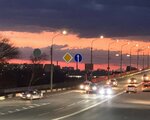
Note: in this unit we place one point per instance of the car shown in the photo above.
(105, 90)
(132, 81)
(131, 88)
(112, 82)
(31, 95)
(91, 88)
(84, 85)
(145, 77)
(146, 87)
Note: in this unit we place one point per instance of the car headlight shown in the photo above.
(81, 86)
(94, 88)
(87, 88)
(146, 78)
(102, 91)
(109, 91)
(114, 83)
(135, 81)
(28, 95)
(129, 81)
(20, 95)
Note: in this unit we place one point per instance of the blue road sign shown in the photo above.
(78, 57)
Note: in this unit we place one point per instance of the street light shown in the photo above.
(51, 56)
(131, 54)
(92, 48)
(108, 67)
(144, 55)
(121, 55)
(148, 57)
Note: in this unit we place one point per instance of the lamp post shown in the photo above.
(51, 57)
(148, 57)
(131, 54)
(92, 48)
(137, 60)
(121, 55)
(108, 67)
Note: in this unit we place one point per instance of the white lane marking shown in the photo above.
(17, 109)
(24, 108)
(2, 113)
(42, 114)
(87, 101)
(59, 109)
(81, 101)
(71, 104)
(85, 109)
(35, 104)
(31, 106)
(10, 111)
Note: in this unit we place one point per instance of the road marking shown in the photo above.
(71, 104)
(2, 113)
(31, 106)
(24, 108)
(17, 110)
(85, 109)
(59, 109)
(42, 114)
(10, 111)
(81, 101)
(35, 104)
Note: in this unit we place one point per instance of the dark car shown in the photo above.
(31, 95)
(91, 88)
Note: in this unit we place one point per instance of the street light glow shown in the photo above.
(101, 36)
(64, 32)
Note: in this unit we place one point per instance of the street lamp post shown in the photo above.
(92, 53)
(92, 48)
(121, 59)
(131, 54)
(108, 67)
(51, 58)
(148, 57)
(144, 57)
(137, 60)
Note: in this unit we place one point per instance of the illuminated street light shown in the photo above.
(101, 37)
(108, 67)
(121, 55)
(64, 32)
(131, 54)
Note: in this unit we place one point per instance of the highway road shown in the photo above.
(75, 105)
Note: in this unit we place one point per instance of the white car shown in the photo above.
(112, 82)
(85, 85)
(145, 77)
(132, 81)
(106, 90)
(131, 88)
(146, 87)
(31, 95)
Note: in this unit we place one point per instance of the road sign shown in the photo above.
(78, 57)
(67, 57)
(37, 52)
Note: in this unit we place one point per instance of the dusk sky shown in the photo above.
(31, 24)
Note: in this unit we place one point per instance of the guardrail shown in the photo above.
(117, 76)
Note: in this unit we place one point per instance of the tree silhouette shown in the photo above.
(7, 50)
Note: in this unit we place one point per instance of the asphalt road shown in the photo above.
(75, 105)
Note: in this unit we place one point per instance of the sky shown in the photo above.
(32, 24)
